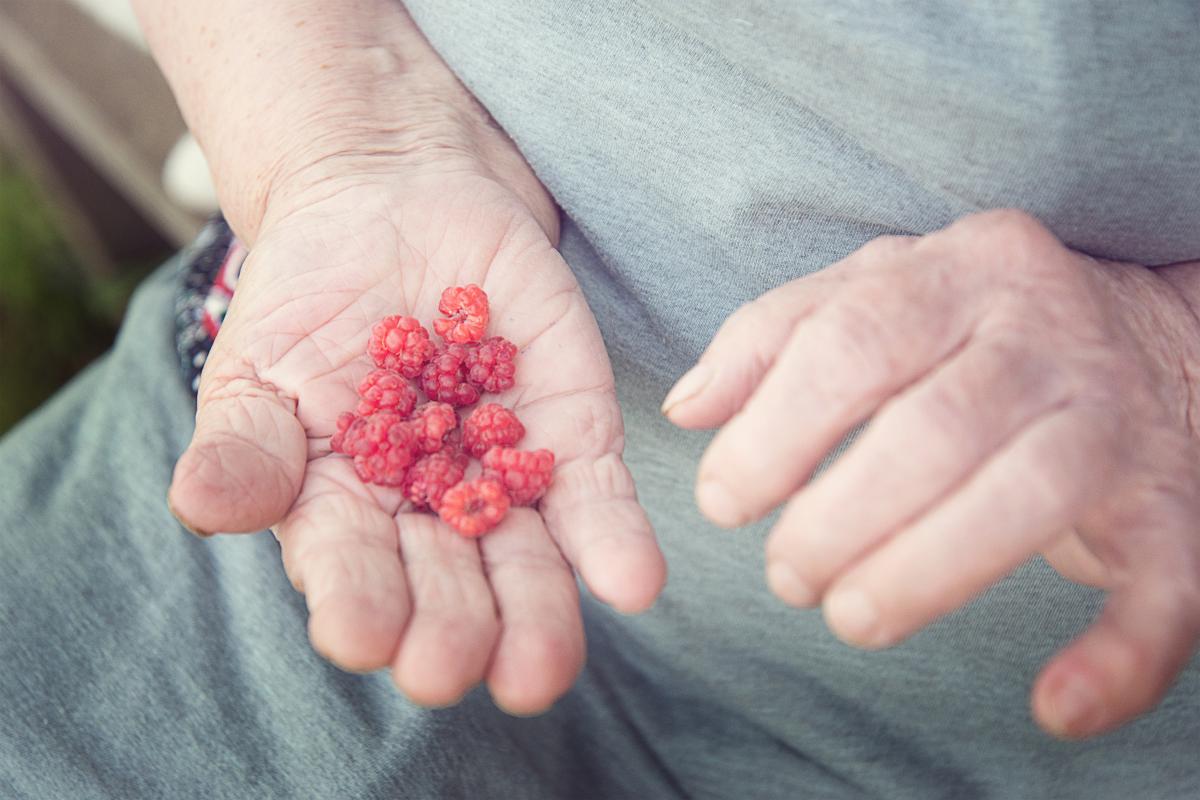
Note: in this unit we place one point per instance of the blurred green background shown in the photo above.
(55, 317)
(89, 132)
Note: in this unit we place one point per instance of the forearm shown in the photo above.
(276, 89)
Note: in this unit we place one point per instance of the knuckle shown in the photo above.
(804, 540)
(854, 333)
(737, 454)
(751, 322)
(586, 481)
(1130, 661)
(947, 409)
(328, 571)
(1048, 479)
(240, 384)
(337, 521)
(609, 477)
(519, 564)
(594, 427)
(884, 249)
(1012, 325)
(437, 585)
(789, 542)
(1057, 475)
(950, 402)
(1013, 242)
(1010, 225)
(224, 386)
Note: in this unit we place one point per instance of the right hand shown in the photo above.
(381, 234)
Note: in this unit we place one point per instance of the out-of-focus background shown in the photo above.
(98, 184)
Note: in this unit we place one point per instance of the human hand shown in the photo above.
(385, 234)
(1023, 398)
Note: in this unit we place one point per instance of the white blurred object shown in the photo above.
(117, 16)
(185, 173)
(186, 177)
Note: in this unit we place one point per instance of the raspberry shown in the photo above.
(402, 344)
(344, 421)
(429, 478)
(490, 364)
(383, 445)
(474, 507)
(488, 426)
(524, 473)
(434, 422)
(424, 450)
(453, 440)
(445, 378)
(385, 390)
(466, 310)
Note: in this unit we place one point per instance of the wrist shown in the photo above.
(285, 95)
(425, 136)
(1164, 316)
(1183, 283)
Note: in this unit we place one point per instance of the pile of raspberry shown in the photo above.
(425, 448)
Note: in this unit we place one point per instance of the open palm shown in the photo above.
(385, 586)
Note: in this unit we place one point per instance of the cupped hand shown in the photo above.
(1022, 398)
(387, 587)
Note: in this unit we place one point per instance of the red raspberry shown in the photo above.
(400, 343)
(383, 445)
(434, 422)
(524, 473)
(490, 365)
(385, 390)
(429, 478)
(466, 310)
(344, 421)
(453, 440)
(474, 507)
(445, 378)
(488, 426)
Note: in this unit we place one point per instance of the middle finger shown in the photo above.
(445, 648)
(918, 448)
(840, 365)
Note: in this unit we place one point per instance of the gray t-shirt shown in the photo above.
(706, 152)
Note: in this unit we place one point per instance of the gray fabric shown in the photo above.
(708, 151)
(705, 154)
(139, 661)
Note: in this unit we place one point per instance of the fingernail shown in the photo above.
(718, 504)
(853, 616)
(788, 586)
(180, 520)
(687, 387)
(1073, 707)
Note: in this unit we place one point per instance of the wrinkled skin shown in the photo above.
(387, 588)
(1023, 398)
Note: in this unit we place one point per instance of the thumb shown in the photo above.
(243, 468)
(1123, 664)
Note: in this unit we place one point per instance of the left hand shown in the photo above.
(1023, 398)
